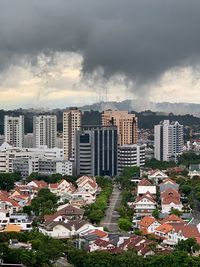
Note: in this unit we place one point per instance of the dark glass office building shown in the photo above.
(96, 151)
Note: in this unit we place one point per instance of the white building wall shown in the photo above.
(168, 140)
(45, 130)
(14, 130)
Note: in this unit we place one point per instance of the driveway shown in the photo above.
(112, 216)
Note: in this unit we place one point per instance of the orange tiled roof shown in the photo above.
(164, 228)
(99, 233)
(9, 200)
(147, 221)
(13, 228)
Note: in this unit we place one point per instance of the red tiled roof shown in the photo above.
(155, 171)
(172, 218)
(40, 184)
(89, 181)
(103, 243)
(170, 192)
(145, 196)
(132, 241)
(175, 169)
(53, 186)
(171, 199)
(144, 182)
(188, 231)
(168, 180)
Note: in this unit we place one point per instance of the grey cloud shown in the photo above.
(138, 38)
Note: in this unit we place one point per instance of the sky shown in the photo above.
(59, 53)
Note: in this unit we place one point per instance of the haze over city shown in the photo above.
(60, 53)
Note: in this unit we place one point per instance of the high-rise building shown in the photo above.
(127, 125)
(96, 151)
(14, 130)
(45, 130)
(130, 155)
(71, 123)
(168, 140)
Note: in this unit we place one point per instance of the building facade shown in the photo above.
(127, 125)
(42, 166)
(45, 130)
(168, 140)
(96, 151)
(28, 140)
(14, 130)
(71, 124)
(8, 154)
(130, 155)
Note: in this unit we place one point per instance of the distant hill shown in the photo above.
(141, 105)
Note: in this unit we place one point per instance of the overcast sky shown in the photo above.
(56, 53)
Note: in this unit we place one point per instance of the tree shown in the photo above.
(185, 189)
(190, 245)
(95, 212)
(44, 203)
(124, 224)
(156, 214)
(126, 175)
(176, 212)
(7, 181)
(161, 165)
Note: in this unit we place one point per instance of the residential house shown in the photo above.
(101, 244)
(65, 214)
(38, 184)
(168, 183)
(86, 184)
(194, 170)
(22, 220)
(86, 197)
(144, 205)
(139, 244)
(145, 186)
(174, 232)
(8, 204)
(61, 188)
(148, 224)
(170, 199)
(65, 230)
(157, 176)
(172, 218)
(163, 230)
(176, 170)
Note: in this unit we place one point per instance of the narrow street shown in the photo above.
(112, 216)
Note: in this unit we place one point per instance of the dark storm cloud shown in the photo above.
(141, 39)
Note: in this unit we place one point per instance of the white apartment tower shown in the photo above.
(45, 130)
(71, 124)
(168, 140)
(14, 130)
